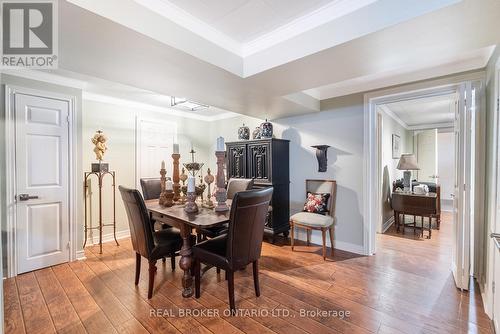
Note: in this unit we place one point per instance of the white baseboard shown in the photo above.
(108, 237)
(316, 239)
(80, 255)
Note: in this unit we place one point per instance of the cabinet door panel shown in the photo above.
(237, 164)
(259, 162)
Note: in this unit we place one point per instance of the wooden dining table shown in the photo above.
(186, 222)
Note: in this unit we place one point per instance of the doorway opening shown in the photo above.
(416, 133)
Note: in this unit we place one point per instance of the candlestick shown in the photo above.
(191, 188)
(163, 164)
(169, 196)
(220, 144)
(191, 206)
(221, 193)
(209, 179)
(175, 174)
(183, 177)
(163, 180)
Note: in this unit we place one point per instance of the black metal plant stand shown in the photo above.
(100, 176)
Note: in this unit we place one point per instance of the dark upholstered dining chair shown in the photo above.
(241, 245)
(151, 188)
(233, 186)
(146, 242)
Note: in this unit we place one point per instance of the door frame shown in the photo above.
(10, 177)
(371, 161)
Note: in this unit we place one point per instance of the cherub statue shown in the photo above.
(99, 140)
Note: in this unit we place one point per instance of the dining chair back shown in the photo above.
(151, 188)
(236, 185)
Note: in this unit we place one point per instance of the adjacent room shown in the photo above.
(250, 166)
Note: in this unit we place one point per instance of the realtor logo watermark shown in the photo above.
(29, 34)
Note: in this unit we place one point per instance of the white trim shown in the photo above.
(10, 177)
(371, 204)
(46, 77)
(392, 115)
(108, 237)
(431, 126)
(80, 255)
(149, 107)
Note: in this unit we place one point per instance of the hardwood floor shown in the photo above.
(406, 288)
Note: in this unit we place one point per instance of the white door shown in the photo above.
(462, 203)
(155, 144)
(495, 227)
(427, 158)
(42, 200)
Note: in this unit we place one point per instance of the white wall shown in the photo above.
(119, 125)
(389, 171)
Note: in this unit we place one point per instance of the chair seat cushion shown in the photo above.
(312, 219)
(212, 251)
(212, 232)
(167, 241)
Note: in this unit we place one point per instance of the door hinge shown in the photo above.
(68, 245)
(498, 104)
(493, 286)
(67, 119)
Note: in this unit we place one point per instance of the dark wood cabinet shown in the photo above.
(267, 162)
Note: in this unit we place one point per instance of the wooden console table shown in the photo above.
(415, 205)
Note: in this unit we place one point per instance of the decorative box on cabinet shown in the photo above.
(267, 162)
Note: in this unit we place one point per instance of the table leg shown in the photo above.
(395, 222)
(186, 261)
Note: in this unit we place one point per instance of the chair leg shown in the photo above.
(225, 275)
(218, 270)
(330, 232)
(172, 261)
(137, 267)
(230, 287)
(308, 232)
(323, 235)
(292, 228)
(197, 278)
(256, 277)
(152, 272)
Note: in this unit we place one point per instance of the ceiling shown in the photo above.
(270, 67)
(432, 111)
(246, 20)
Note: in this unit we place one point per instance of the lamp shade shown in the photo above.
(407, 162)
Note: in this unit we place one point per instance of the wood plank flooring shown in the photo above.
(406, 288)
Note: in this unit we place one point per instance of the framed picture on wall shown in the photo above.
(396, 146)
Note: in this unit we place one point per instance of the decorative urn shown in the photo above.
(256, 133)
(266, 129)
(244, 132)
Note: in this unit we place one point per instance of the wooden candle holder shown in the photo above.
(191, 206)
(175, 177)
(163, 180)
(221, 193)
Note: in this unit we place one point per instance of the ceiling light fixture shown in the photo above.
(186, 104)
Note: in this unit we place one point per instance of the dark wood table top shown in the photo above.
(202, 219)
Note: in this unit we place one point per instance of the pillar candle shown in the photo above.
(169, 185)
(191, 184)
(176, 148)
(220, 144)
(163, 164)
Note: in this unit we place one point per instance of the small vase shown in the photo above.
(266, 129)
(256, 133)
(244, 133)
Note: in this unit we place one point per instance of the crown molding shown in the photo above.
(314, 19)
(89, 96)
(392, 115)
